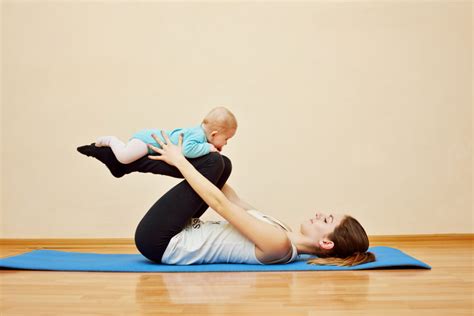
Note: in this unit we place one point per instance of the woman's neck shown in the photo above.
(303, 244)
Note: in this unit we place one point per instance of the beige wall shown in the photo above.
(357, 107)
(2, 225)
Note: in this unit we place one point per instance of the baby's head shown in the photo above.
(220, 125)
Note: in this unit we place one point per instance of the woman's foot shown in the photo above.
(104, 155)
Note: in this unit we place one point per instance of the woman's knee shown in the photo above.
(150, 245)
(221, 163)
(216, 163)
(214, 158)
(227, 166)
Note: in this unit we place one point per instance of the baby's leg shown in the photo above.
(104, 141)
(127, 153)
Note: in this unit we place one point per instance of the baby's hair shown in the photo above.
(220, 118)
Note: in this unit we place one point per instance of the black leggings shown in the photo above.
(171, 212)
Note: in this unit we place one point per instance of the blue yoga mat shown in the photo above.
(387, 258)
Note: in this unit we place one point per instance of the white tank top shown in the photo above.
(217, 242)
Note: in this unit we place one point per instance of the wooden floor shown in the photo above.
(447, 289)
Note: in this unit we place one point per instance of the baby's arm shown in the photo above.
(193, 148)
(196, 145)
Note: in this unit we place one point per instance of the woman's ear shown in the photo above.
(326, 244)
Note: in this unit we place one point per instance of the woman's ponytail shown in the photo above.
(353, 260)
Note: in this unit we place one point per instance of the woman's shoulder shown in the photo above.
(289, 254)
(270, 219)
(288, 251)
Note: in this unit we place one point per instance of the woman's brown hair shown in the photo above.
(350, 246)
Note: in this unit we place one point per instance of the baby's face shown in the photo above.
(219, 140)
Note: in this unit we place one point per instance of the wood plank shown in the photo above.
(447, 289)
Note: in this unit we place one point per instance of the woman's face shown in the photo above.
(320, 226)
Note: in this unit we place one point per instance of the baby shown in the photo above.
(211, 135)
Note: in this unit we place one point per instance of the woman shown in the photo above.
(172, 233)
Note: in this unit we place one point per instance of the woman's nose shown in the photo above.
(319, 215)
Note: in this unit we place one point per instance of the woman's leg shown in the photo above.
(220, 183)
(171, 212)
(143, 165)
(146, 165)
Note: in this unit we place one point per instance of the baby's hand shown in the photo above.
(213, 148)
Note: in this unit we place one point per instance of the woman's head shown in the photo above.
(337, 239)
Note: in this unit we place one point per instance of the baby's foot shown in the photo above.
(103, 141)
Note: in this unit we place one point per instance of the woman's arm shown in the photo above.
(234, 198)
(269, 239)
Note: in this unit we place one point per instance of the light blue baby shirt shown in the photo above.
(194, 141)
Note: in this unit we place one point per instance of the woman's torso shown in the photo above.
(219, 242)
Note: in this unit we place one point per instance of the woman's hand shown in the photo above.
(169, 152)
